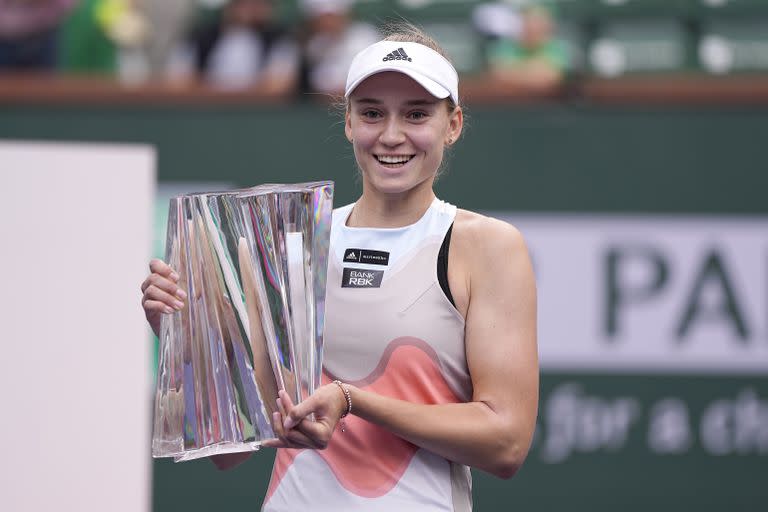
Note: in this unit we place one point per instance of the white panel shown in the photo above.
(75, 225)
(570, 256)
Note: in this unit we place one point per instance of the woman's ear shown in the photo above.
(348, 125)
(455, 125)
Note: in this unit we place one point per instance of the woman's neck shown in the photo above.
(376, 210)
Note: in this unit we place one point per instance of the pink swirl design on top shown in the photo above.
(368, 460)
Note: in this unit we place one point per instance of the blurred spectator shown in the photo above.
(523, 52)
(85, 45)
(169, 21)
(146, 33)
(243, 47)
(330, 40)
(29, 33)
(127, 27)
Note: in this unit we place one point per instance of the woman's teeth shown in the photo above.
(387, 159)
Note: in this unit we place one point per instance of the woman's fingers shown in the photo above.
(288, 439)
(164, 277)
(155, 293)
(316, 432)
(160, 267)
(286, 399)
(290, 435)
(298, 427)
(285, 404)
(165, 284)
(293, 414)
(281, 404)
(152, 306)
(273, 443)
(302, 440)
(277, 426)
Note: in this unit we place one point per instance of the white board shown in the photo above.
(75, 232)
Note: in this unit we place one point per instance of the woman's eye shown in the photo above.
(417, 115)
(371, 114)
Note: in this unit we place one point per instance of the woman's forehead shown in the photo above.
(391, 85)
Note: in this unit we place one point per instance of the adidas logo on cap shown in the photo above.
(398, 54)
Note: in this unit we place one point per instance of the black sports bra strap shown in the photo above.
(442, 265)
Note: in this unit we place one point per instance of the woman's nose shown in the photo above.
(393, 133)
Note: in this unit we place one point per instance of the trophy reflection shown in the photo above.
(253, 263)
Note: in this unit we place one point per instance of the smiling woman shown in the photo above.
(430, 363)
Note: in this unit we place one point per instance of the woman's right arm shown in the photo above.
(162, 295)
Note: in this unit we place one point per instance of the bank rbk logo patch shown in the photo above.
(367, 256)
(360, 278)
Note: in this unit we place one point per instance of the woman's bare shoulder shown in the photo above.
(482, 250)
(476, 231)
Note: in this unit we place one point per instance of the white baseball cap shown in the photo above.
(430, 69)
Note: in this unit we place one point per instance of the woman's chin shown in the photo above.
(390, 187)
(393, 180)
(395, 186)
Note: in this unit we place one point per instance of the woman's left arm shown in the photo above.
(493, 431)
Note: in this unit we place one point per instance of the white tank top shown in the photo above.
(389, 329)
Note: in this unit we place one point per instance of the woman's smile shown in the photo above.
(393, 162)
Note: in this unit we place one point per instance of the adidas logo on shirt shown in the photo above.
(367, 256)
(398, 54)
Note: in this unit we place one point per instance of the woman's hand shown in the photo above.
(161, 293)
(295, 429)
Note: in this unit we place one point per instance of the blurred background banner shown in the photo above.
(651, 294)
(625, 138)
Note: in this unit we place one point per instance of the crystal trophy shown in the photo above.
(253, 263)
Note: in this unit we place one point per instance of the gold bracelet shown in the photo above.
(347, 397)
